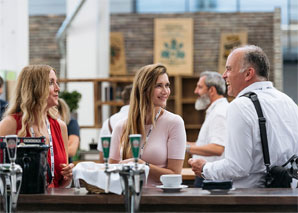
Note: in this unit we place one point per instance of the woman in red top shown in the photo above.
(31, 113)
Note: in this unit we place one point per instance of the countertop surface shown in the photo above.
(156, 200)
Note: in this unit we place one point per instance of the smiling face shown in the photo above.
(235, 79)
(53, 90)
(161, 91)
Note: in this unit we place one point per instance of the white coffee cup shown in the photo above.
(171, 180)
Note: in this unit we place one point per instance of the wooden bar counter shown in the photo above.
(155, 200)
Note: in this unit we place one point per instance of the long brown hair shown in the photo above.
(141, 103)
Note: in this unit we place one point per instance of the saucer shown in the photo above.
(171, 189)
(220, 191)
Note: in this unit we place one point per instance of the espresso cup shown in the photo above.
(171, 180)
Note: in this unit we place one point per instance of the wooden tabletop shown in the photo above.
(188, 174)
(153, 199)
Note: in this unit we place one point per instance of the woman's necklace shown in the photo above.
(149, 132)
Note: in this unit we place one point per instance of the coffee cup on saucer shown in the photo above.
(171, 180)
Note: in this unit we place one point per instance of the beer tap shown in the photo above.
(131, 176)
(105, 142)
(10, 176)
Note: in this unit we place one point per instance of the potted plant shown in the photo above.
(72, 99)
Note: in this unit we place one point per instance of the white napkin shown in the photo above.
(93, 174)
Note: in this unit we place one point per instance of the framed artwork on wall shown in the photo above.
(173, 44)
(228, 41)
(117, 54)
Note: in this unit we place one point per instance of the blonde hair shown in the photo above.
(141, 103)
(30, 97)
(63, 110)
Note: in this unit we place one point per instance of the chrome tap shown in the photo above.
(10, 176)
(105, 143)
(132, 176)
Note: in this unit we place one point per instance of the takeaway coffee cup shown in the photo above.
(171, 180)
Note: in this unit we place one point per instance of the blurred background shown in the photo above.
(74, 37)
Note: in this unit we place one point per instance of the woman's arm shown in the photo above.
(73, 129)
(113, 161)
(101, 160)
(73, 145)
(211, 149)
(115, 155)
(66, 169)
(174, 167)
(8, 126)
(63, 128)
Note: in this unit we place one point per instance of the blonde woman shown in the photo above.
(29, 115)
(163, 133)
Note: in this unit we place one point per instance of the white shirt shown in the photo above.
(244, 162)
(213, 129)
(114, 119)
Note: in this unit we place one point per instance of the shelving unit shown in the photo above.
(102, 96)
(181, 100)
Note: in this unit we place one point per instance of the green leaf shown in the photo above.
(71, 98)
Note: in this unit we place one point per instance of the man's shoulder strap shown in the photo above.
(262, 124)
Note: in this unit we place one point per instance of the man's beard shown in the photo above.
(202, 102)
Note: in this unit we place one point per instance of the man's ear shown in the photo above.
(212, 90)
(250, 73)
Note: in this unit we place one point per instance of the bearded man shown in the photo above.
(210, 144)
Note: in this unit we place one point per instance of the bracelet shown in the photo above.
(188, 148)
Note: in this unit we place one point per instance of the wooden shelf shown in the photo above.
(114, 84)
(188, 100)
(123, 79)
(111, 103)
(89, 127)
(193, 126)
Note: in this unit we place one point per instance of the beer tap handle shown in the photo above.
(135, 141)
(11, 145)
(105, 143)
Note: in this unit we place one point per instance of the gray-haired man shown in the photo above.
(210, 144)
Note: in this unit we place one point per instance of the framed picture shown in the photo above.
(228, 41)
(117, 54)
(173, 44)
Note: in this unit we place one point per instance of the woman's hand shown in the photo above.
(66, 171)
(131, 160)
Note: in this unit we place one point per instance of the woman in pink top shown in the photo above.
(163, 133)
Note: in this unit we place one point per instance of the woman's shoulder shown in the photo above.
(8, 125)
(120, 124)
(57, 123)
(16, 116)
(61, 123)
(169, 116)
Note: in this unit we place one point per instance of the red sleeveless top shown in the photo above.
(58, 146)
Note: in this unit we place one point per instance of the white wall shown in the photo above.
(88, 57)
(14, 32)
